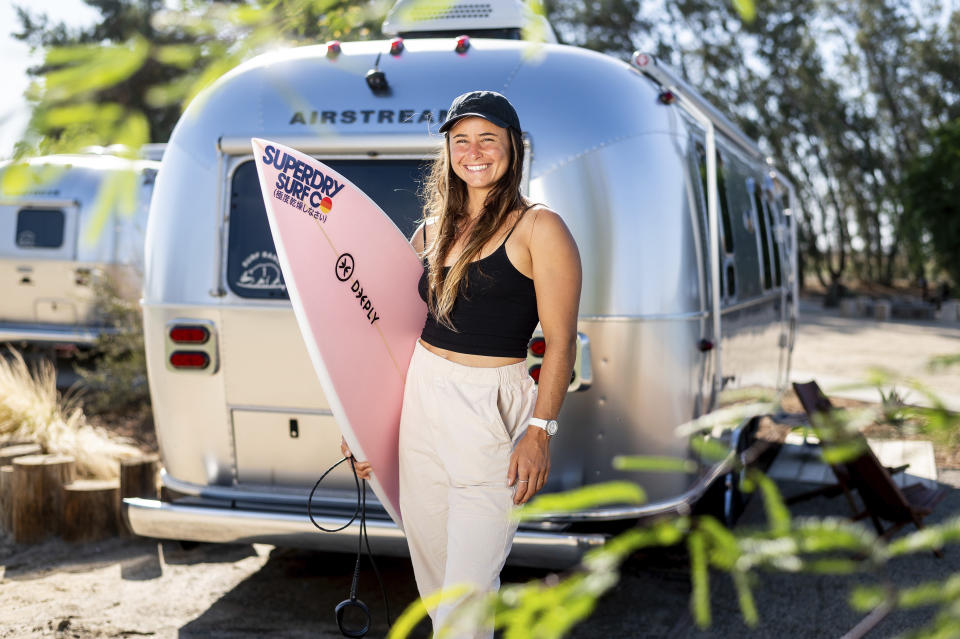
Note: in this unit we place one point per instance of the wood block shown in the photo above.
(38, 482)
(138, 478)
(6, 497)
(10, 452)
(90, 509)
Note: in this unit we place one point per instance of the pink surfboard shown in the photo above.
(352, 278)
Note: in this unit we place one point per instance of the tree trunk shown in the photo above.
(6, 495)
(11, 451)
(90, 509)
(37, 486)
(138, 478)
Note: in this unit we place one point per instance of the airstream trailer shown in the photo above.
(685, 232)
(60, 231)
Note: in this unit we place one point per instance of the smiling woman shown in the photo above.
(475, 429)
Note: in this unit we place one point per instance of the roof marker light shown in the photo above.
(396, 46)
(666, 97)
(333, 48)
(463, 43)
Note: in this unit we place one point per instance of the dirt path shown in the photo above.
(839, 350)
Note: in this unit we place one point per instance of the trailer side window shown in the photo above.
(253, 270)
(773, 211)
(761, 211)
(721, 195)
(40, 228)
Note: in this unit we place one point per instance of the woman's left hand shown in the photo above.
(529, 464)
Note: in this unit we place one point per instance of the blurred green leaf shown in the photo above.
(748, 607)
(20, 177)
(747, 9)
(182, 56)
(928, 539)
(942, 362)
(699, 579)
(417, 610)
(840, 453)
(778, 517)
(107, 66)
(723, 549)
(709, 450)
(661, 533)
(613, 492)
(834, 566)
(650, 463)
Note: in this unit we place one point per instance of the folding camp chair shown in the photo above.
(882, 498)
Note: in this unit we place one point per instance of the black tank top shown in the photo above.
(495, 315)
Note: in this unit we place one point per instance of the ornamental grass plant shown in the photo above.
(32, 409)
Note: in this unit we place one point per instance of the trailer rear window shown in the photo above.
(252, 267)
(40, 228)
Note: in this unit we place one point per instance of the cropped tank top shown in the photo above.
(495, 315)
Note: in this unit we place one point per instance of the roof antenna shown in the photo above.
(377, 79)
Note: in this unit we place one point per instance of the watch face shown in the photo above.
(552, 427)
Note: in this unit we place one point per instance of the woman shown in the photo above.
(494, 266)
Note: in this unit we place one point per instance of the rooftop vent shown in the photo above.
(442, 18)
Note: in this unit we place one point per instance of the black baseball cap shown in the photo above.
(489, 105)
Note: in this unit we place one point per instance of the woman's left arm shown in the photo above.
(557, 278)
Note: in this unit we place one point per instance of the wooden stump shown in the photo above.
(138, 478)
(38, 482)
(10, 452)
(6, 495)
(90, 509)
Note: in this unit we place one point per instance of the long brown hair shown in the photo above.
(446, 200)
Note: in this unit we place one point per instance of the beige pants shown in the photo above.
(457, 431)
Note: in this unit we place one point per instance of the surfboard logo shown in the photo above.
(345, 270)
(300, 185)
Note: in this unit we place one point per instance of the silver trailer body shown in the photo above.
(60, 235)
(246, 435)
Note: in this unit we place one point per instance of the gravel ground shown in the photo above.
(136, 587)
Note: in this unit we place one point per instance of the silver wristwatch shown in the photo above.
(549, 425)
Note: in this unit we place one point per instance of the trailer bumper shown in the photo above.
(188, 522)
(50, 333)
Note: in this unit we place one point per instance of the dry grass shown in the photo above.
(31, 409)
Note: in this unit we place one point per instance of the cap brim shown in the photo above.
(489, 118)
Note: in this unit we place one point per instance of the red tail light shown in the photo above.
(189, 335)
(538, 346)
(396, 46)
(189, 359)
(535, 373)
(463, 43)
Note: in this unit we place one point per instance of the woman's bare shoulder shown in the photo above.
(541, 223)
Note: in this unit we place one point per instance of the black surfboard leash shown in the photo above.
(353, 604)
